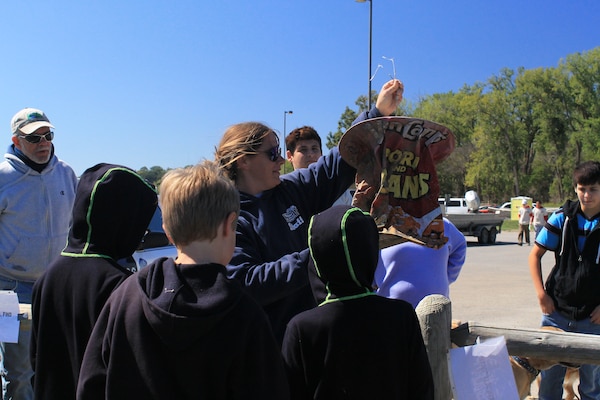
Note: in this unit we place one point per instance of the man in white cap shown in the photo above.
(37, 191)
(524, 221)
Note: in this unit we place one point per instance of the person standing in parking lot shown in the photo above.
(525, 217)
(539, 218)
(410, 271)
(569, 299)
(113, 206)
(37, 191)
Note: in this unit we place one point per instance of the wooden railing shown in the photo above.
(435, 317)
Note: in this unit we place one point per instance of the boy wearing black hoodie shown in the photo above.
(113, 207)
(356, 344)
(183, 330)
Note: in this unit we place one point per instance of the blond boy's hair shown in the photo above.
(195, 201)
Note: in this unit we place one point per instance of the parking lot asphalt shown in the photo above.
(494, 287)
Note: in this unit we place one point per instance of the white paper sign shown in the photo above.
(9, 316)
(482, 371)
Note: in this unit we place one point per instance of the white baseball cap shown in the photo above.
(28, 120)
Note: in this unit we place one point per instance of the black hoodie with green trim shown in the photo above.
(113, 207)
(182, 332)
(355, 344)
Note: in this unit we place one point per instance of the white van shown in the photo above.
(453, 205)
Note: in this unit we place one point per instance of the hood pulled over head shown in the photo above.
(112, 210)
(344, 246)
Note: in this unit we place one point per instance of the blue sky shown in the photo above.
(144, 83)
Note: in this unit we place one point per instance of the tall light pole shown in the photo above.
(370, 46)
(285, 113)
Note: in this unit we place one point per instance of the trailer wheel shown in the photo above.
(493, 234)
(484, 236)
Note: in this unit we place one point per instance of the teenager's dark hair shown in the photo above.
(587, 173)
(302, 133)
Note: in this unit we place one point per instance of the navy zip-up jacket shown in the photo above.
(271, 253)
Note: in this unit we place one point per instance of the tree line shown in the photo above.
(519, 133)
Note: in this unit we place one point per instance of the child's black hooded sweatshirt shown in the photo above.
(182, 332)
(355, 344)
(113, 207)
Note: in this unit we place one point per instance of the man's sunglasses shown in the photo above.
(273, 153)
(38, 138)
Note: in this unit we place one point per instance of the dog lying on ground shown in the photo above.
(526, 370)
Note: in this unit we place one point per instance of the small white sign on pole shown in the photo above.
(9, 316)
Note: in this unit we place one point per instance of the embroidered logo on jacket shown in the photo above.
(293, 218)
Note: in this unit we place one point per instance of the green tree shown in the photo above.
(583, 71)
(349, 115)
(520, 132)
(502, 137)
(547, 88)
(345, 122)
(152, 175)
(456, 111)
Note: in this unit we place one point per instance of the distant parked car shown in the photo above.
(504, 209)
(453, 205)
(505, 206)
(154, 244)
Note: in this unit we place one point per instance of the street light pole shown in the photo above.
(370, 46)
(285, 113)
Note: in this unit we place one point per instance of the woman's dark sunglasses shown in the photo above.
(38, 138)
(273, 153)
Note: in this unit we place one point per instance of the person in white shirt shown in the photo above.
(524, 221)
(539, 217)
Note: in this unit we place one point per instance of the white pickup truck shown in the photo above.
(463, 213)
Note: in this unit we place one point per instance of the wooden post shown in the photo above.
(435, 316)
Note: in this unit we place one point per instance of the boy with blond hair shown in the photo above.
(181, 329)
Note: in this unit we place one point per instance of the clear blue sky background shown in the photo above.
(145, 83)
